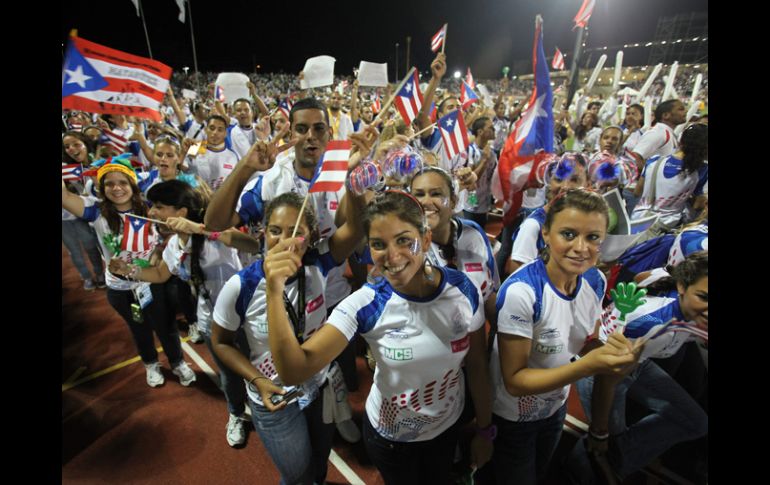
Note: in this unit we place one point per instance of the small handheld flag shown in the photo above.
(438, 39)
(332, 169)
(453, 133)
(136, 234)
(72, 171)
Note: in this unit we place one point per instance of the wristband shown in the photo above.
(490, 432)
(214, 235)
(597, 436)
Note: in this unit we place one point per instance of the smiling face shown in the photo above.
(694, 301)
(396, 248)
(574, 238)
(431, 190)
(76, 149)
(118, 190)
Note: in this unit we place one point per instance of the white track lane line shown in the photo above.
(344, 469)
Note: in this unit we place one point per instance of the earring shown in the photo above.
(428, 268)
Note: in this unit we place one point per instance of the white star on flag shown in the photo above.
(77, 76)
(449, 123)
(408, 88)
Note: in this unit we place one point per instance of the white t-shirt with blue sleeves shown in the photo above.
(687, 242)
(528, 237)
(213, 166)
(243, 301)
(529, 306)
(419, 345)
(473, 256)
(652, 319)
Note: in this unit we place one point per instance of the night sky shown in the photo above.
(235, 35)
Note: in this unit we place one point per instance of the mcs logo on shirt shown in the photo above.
(397, 354)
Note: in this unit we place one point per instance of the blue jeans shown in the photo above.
(675, 417)
(523, 450)
(233, 385)
(297, 441)
(76, 233)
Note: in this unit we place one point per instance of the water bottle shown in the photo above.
(367, 175)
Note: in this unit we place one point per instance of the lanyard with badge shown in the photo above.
(297, 316)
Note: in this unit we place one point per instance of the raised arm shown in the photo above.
(71, 202)
(180, 116)
(221, 213)
(295, 363)
(263, 111)
(354, 114)
(438, 69)
(138, 135)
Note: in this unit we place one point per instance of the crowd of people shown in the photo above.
(465, 332)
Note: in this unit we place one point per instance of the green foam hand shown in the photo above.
(627, 298)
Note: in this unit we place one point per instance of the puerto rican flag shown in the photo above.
(454, 133)
(558, 60)
(531, 138)
(332, 169)
(72, 171)
(469, 79)
(409, 98)
(99, 79)
(467, 96)
(116, 140)
(376, 104)
(285, 107)
(136, 234)
(581, 19)
(219, 94)
(438, 40)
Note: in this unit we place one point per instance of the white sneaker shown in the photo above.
(349, 431)
(236, 431)
(194, 334)
(154, 375)
(185, 374)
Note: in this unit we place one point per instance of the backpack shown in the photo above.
(651, 254)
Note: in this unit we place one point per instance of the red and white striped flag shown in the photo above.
(376, 104)
(558, 60)
(332, 168)
(408, 99)
(453, 133)
(99, 79)
(438, 40)
(136, 234)
(469, 79)
(73, 171)
(285, 107)
(117, 141)
(581, 19)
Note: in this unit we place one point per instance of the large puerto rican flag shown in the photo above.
(99, 79)
(332, 168)
(409, 98)
(532, 135)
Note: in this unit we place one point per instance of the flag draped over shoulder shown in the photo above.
(99, 79)
(531, 137)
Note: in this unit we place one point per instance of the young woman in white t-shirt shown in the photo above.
(421, 322)
(549, 312)
(143, 306)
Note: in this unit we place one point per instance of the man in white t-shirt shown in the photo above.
(660, 139)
